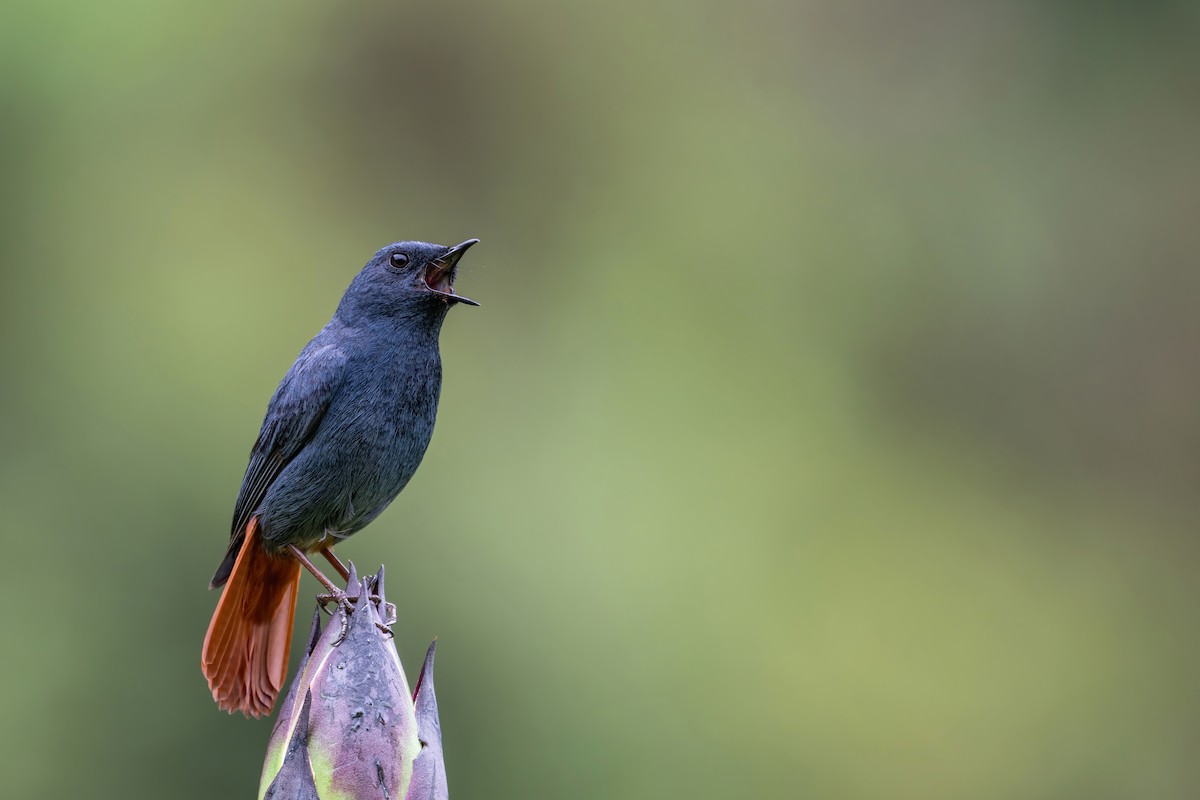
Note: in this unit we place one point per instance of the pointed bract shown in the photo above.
(377, 587)
(294, 780)
(321, 644)
(281, 734)
(429, 768)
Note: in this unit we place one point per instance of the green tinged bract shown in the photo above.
(349, 728)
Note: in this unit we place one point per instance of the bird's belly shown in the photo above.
(342, 480)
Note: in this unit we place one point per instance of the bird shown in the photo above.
(343, 434)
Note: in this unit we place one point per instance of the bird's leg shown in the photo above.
(299, 555)
(338, 596)
(335, 595)
(327, 551)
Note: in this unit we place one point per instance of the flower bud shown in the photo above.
(348, 728)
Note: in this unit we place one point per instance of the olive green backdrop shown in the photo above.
(830, 428)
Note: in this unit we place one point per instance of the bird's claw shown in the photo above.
(386, 625)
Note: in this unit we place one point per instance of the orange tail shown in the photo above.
(246, 649)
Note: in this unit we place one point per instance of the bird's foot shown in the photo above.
(386, 625)
(345, 607)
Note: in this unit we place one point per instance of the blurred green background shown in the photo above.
(830, 428)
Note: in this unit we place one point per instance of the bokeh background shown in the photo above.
(829, 428)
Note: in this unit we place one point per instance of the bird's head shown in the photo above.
(410, 279)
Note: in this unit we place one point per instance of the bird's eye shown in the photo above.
(399, 259)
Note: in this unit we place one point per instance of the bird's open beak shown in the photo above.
(439, 275)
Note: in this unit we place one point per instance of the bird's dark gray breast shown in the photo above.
(368, 445)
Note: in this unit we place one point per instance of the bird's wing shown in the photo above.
(293, 415)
